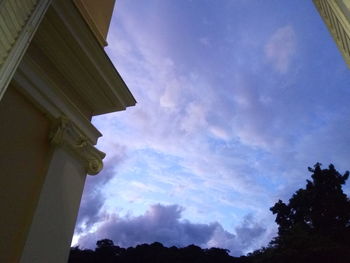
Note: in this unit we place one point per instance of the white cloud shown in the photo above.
(281, 47)
(220, 132)
(194, 118)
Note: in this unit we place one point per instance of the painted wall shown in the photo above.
(56, 214)
(24, 154)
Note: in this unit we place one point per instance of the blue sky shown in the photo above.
(236, 98)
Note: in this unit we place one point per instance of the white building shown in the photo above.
(54, 77)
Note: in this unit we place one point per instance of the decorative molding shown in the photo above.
(19, 21)
(67, 135)
(36, 85)
(73, 48)
(338, 25)
(90, 21)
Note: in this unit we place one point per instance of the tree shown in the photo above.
(316, 220)
(107, 252)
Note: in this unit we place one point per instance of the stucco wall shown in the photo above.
(54, 219)
(24, 153)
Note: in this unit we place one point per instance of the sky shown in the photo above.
(235, 99)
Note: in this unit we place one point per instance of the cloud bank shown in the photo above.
(225, 125)
(164, 223)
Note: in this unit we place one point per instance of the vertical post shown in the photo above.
(53, 223)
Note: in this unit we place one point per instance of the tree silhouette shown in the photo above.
(107, 252)
(316, 221)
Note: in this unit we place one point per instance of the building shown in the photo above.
(54, 77)
(336, 15)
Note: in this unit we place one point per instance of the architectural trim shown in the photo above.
(78, 56)
(90, 21)
(63, 114)
(19, 21)
(337, 24)
(67, 135)
(38, 87)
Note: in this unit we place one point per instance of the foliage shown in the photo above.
(315, 224)
(107, 252)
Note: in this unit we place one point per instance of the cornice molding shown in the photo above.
(66, 40)
(42, 91)
(90, 21)
(70, 129)
(66, 134)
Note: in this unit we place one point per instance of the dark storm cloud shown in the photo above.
(248, 233)
(163, 224)
(93, 198)
(160, 223)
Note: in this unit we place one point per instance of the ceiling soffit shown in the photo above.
(65, 39)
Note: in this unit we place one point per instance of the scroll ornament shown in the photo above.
(67, 135)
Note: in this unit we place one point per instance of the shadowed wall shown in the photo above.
(24, 152)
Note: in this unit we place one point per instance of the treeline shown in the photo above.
(107, 252)
(314, 226)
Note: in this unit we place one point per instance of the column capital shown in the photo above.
(64, 133)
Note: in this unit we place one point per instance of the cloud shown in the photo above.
(164, 224)
(93, 198)
(217, 131)
(280, 48)
(249, 231)
(178, 116)
(220, 132)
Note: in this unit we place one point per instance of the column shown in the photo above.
(53, 223)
